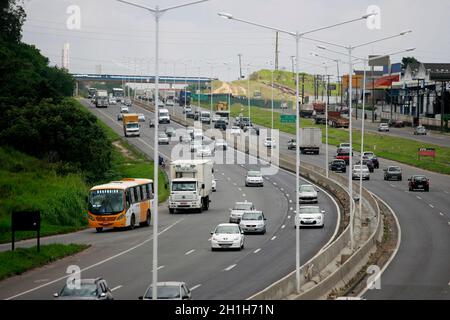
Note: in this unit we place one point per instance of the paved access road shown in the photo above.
(124, 258)
(421, 269)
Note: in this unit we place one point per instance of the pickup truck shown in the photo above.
(343, 155)
(335, 120)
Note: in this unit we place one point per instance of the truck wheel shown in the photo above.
(206, 203)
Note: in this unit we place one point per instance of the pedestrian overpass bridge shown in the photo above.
(139, 79)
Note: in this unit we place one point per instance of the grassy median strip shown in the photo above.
(393, 148)
(24, 259)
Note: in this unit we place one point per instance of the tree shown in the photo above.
(12, 18)
(407, 61)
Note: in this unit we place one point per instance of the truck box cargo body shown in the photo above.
(131, 127)
(310, 140)
(190, 184)
(184, 98)
(101, 99)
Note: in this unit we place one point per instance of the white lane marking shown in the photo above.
(290, 201)
(289, 217)
(449, 223)
(283, 226)
(281, 189)
(244, 195)
(159, 268)
(223, 173)
(441, 213)
(228, 178)
(274, 183)
(96, 264)
(419, 198)
(196, 287)
(230, 267)
(239, 189)
(292, 209)
(431, 205)
(41, 280)
(447, 192)
(257, 250)
(234, 183)
(189, 252)
(273, 238)
(287, 195)
(392, 185)
(118, 287)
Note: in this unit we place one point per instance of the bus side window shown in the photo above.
(137, 191)
(150, 188)
(128, 198)
(132, 194)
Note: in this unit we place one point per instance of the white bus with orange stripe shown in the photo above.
(121, 204)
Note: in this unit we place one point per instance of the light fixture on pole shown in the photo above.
(297, 35)
(157, 13)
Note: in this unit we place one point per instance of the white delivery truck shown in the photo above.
(190, 184)
(310, 140)
(101, 99)
(164, 116)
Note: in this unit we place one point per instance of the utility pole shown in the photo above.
(303, 89)
(293, 69)
(240, 66)
(373, 94)
(444, 85)
(276, 51)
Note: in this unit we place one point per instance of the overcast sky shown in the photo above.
(121, 38)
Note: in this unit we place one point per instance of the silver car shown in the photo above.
(168, 291)
(310, 216)
(253, 222)
(163, 138)
(254, 178)
(359, 170)
(238, 210)
(307, 194)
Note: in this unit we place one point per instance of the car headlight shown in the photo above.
(91, 217)
(236, 238)
(120, 217)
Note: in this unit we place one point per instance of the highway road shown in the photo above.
(421, 268)
(124, 258)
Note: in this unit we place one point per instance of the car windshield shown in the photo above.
(184, 186)
(163, 114)
(343, 154)
(420, 178)
(164, 292)
(345, 145)
(254, 216)
(358, 168)
(84, 290)
(307, 189)
(243, 206)
(227, 230)
(339, 162)
(170, 129)
(132, 126)
(105, 202)
(254, 174)
(369, 154)
(220, 141)
(394, 169)
(235, 128)
(309, 210)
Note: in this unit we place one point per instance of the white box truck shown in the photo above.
(101, 99)
(190, 184)
(310, 140)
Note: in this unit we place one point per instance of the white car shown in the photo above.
(253, 222)
(310, 216)
(187, 109)
(112, 101)
(221, 144)
(216, 117)
(214, 185)
(270, 143)
(195, 146)
(359, 170)
(204, 151)
(160, 104)
(124, 109)
(307, 194)
(170, 103)
(383, 127)
(141, 117)
(235, 130)
(254, 178)
(227, 236)
(197, 134)
(239, 209)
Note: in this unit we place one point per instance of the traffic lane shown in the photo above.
(408, 133)
(277, 257)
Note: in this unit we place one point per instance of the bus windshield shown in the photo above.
(105, 202)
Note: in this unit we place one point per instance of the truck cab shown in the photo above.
(164, 116)
(190, 185)
(205, 117)
(131, 127)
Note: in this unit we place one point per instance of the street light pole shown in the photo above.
(157, 13)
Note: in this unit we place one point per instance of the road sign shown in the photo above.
(427, 152)
(288, 118)
(25, 221)
(332, 87)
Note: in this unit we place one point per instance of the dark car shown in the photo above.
(168, 291)
(245, 122)
(251, 131)
(196, 115)
(369, 163)
(220, 124)
(151, 124)
(292, 144)
(88, 289)
(419, 183)
(393, 172)
(190, 114)
(338, 166)
(370, 155)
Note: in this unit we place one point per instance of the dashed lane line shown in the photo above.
(196, 287)
(116, 288)
(230, 267)
(189, 252)
(257, 250)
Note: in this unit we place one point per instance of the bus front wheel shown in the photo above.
(99, 229)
